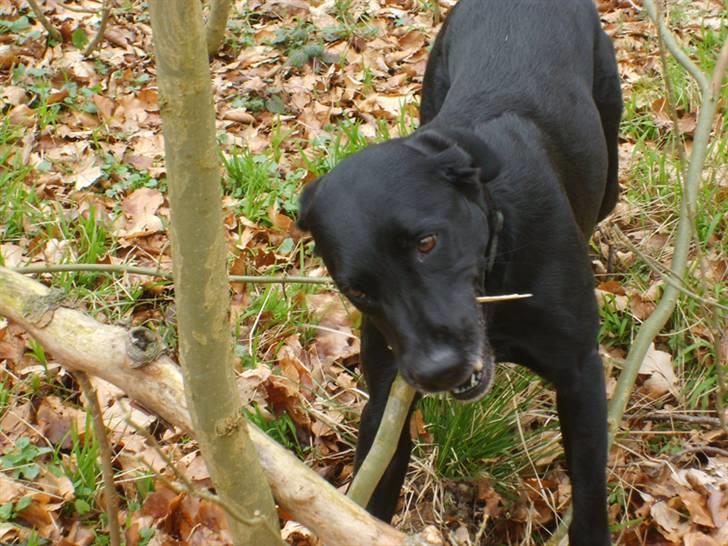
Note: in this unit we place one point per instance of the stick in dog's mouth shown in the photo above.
(504, 297)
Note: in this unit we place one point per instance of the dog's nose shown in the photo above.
(439, 369)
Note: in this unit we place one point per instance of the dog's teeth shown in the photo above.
(478, 365)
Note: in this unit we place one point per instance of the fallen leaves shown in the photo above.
(661, 379)
(140, 211)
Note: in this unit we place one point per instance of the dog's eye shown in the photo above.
(355, 294)
(426, 244)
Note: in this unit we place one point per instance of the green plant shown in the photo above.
(20, 461)
(488, 437)
(255, 180)
(83, 469)
(282, 428)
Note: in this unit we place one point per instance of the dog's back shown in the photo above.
(548, 61)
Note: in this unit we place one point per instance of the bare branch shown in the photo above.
(675, 48)
(105, 12)
(43, 20)
(215, 26)
(385, 442)
(124, 268)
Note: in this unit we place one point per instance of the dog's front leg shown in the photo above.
(379, 371)
(582, 406)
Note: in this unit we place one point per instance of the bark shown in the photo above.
(80, 343)
(200, 270)
(216, 22)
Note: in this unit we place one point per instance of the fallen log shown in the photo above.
(112, 353)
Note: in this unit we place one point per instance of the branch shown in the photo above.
(654, 323)
(385, 442)
(199, 250)
(38, 12)
(675, 48)
(105, 12)
(216, 22)
(80, 343)
(107, 471)
(124, 268)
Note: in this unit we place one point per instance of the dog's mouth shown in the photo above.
(479, 382)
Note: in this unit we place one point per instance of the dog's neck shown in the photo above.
(486, 162)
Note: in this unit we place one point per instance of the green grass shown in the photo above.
(485, 439)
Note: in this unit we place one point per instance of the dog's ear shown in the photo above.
(305, 204)
(459, 154)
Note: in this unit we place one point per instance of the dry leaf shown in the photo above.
(657, 365)
(669, 521)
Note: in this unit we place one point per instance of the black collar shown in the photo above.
(495, 226)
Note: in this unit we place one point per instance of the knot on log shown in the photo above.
(227, 426)
(143, 346)
(40, 309)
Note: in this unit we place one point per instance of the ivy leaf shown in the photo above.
(79, 38)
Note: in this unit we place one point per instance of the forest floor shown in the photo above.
(298, 86)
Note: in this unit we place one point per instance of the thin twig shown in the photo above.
(503, 297)
(710, 92)
(678, 142)
(666, 275)
(705, 450)
(123, 268)
(654, 323)
(107, 470)
(38, 12)
(695, 419)
(675, 48)
(105, 12)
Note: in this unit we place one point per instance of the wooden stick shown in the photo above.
(385, 442)
(503, 297)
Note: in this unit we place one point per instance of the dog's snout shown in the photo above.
(439, 369)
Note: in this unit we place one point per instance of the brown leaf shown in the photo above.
(284, 395)
(698, 539)
(55, 421)
(21, 115)
(160, 503)
(140, 209)
(658, 366)
(239, 115)
(696, 505)
(669, 521)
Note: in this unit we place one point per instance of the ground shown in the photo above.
(298, 86)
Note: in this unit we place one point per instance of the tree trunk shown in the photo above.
(200, 269)
(82, 344)
(216, 22)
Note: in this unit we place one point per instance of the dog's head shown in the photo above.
(403, 228)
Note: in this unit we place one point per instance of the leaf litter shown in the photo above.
(89, 131)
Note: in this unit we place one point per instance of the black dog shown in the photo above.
(497, 192)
